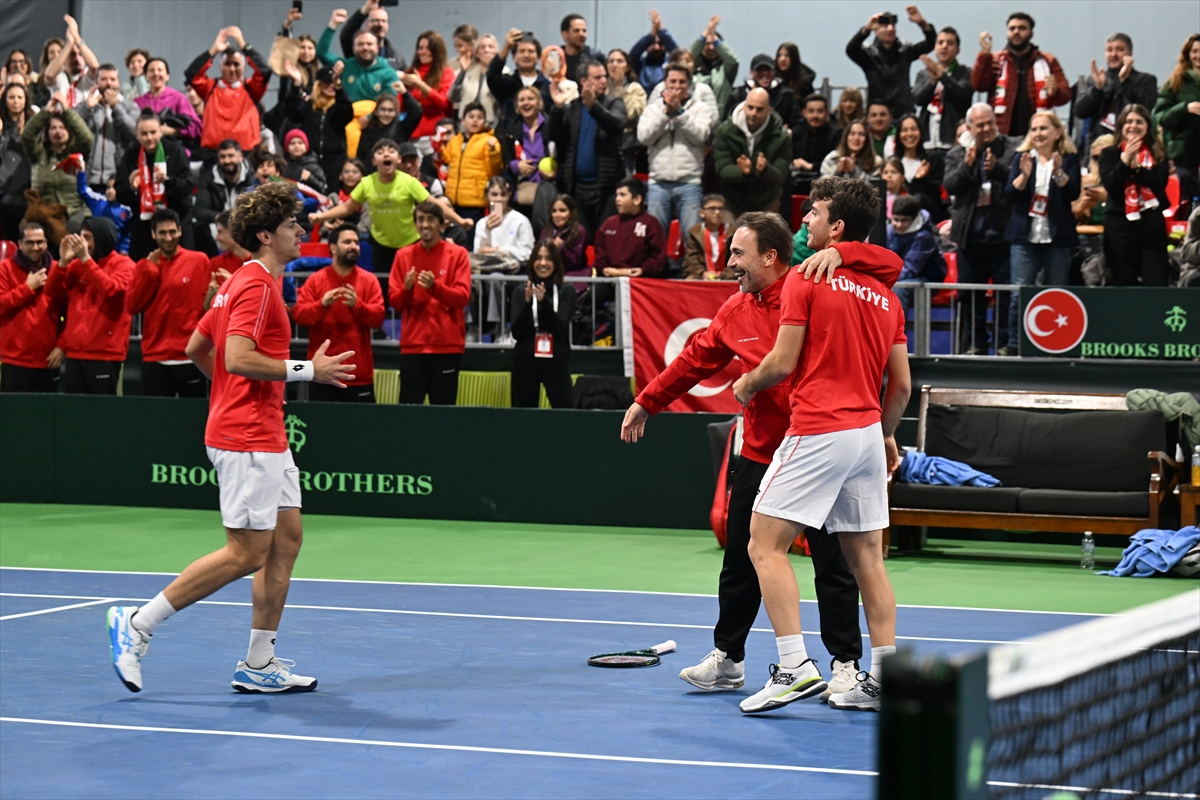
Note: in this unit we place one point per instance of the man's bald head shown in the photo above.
(757, 108)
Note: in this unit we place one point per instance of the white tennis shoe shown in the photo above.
(127, 645)
(275, 677)
(863, 697)
(716, 671)
(843, 679)
(786, 686)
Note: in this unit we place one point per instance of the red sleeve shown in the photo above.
(143, 287)
(397, 295)
(983, 76)
(901, 336)
(795, 304)
(369, 311)
(704, 356)
(56, 283)
(204, 326)
(309, 310)
(249, 311)
(256, 85)
(870, 259)
(14, 294)
(456, 291)
(1063, 92)
(438, 98)
(202, 83)
(114, 281)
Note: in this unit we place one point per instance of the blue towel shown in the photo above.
(920, 468)
(1152, 551)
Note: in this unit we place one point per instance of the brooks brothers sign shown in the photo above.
(1111, 322)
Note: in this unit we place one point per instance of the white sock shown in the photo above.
(791, 650)
(262, 648)
(151, 615)
(877, 654)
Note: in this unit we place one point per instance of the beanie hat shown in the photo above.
(296, 133)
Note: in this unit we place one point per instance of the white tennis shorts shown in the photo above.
(834, 479)
(255, 487)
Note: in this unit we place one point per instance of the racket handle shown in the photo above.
(666, 647)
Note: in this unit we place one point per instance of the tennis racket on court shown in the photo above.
(633, 658)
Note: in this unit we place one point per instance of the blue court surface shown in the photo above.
(425, 690)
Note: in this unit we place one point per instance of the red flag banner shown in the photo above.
(663, 316)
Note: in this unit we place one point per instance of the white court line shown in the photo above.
(463, 615)
(549, 589)
(1088, 789)
(96, 602)
(451, 747)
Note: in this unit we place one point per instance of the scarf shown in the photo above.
(936, 105)
(712, 261)
(1139, 198)
(151, 189)
(1006, 84)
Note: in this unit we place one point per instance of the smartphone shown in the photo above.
(298, 5)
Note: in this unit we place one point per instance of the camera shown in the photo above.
(888, 19)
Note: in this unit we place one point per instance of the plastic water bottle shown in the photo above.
(1087, 553)
(1196, 466)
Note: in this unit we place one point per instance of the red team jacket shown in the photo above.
(170, 296)
(345, 328)
(28, 319)
(97, 323)
(432, 321)
(745, 327)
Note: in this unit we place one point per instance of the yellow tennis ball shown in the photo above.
(548, 166)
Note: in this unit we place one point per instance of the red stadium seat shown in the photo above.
(7, 249)
(946, 296)
(314, 250)
(797, 215)
(644, 177)
(591, 255)
(674, 241)
(316, 233)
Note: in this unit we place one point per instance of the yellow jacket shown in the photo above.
(471, 163)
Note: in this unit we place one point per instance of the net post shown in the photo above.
(933, 727)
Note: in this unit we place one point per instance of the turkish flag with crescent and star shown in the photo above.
(664, 316)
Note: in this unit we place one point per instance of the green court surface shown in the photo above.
(951, 573)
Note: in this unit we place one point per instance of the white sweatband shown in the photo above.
(299, 370)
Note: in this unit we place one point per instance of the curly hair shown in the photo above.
(852, 201)
(264, 208)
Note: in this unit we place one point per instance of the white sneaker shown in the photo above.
(864, 696)
(844, 678)
(128, 646)
(786, 686)
(716, 671)
(276, 676)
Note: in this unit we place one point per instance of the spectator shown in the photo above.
(391, 195)
(366, 74)
(894, 183)
(219, 186)
(922, 170)
(15, 175)
(588, 131)
(800, 249)
(911, 237)
(53, 134)
(975, 173)
(430, 81)
(574, 35)
(93, 278)
(752, 152)
(136, 61)
(180, 120)
(631, 243)
(623, 84)
(230, 260)
(351, 175)
(104, 204)
(503, 232)
(51, 49)
(111, 119)
(676, 128)
(795, 74)
(307, 65)
(29, 316)
(72, 72)
(1106, 93)
(706, 254)
(230, 102)
(762, 76)
(569, 237)
(943, 92)
(473, 158)
(816, 137)
(1043, 182)
(850, 107)
(386, 122)
(323, 117)
(371, 17)
(524, 144)
(886, 61)
(526, 50)
(541, 325)
(471, 86)
(168, 290)
(18, 63)
(1135, 169)
(465, 38)
(879, 123)
(1178, 112)
(716, 63)
(154, 174)
(854, 156)
(647, 60)
(302, 166)
(430, 285)
(342, 304)
(1088, 208)
(1021, 79)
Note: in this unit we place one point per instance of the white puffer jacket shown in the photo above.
(676, 143)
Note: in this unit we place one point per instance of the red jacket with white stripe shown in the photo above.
(346, 328)
(29, 319)
(432, 320)
(97, 323)
(746, 326)
(170, 297)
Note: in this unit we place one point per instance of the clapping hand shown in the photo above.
(745, 164)
(410, 280)
(655, 22)
(936, 70)
(1051, 85)
(1026, 165)
(922, 170)
(1126, 67)
(426, 279)
(539, 292)
(1098, 76)
(761, 163)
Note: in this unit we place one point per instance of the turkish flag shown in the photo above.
(664, 316)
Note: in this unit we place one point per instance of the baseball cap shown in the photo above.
(761, 61)
(325, 75)
(408, 149)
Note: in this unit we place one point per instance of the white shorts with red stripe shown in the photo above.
(837, 479)
(255, 487)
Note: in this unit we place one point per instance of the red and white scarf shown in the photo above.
(151, 188)
(1006, 84)
(1139, 198)
(712, 261)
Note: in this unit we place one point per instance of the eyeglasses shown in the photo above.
(714, 208)
(12, 61)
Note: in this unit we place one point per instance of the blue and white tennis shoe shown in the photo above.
(275, 677)
(128, 646)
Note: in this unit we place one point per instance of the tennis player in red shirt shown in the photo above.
(835, 341)
(242, 345)
(745, 328)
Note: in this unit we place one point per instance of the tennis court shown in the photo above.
(431, 687)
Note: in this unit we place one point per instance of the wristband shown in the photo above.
(299, 370)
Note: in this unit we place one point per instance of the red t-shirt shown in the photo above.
(246, 415)
(851, 324)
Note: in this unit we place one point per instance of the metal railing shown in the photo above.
(968, 322)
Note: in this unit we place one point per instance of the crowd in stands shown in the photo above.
(497, 152)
